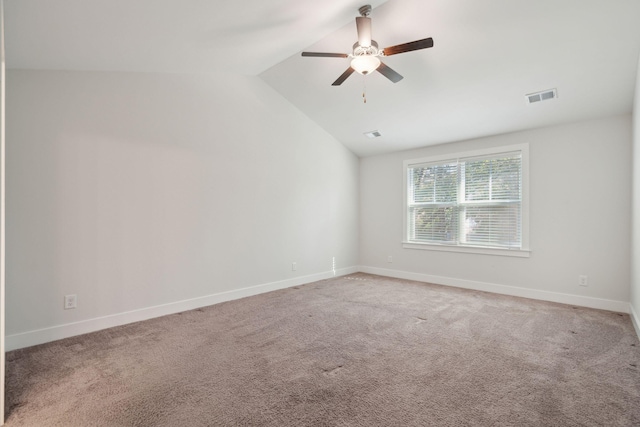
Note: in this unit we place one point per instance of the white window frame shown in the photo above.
(523, 251)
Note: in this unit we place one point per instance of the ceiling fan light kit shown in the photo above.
(365, 57)
(365, 64)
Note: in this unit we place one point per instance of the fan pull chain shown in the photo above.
(364, 89)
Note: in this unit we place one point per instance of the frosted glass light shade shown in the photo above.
(365, 64)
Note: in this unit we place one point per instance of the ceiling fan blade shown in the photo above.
(408, 47)
(325, 55)
(343, 77)
(389, 73)
(363, 24)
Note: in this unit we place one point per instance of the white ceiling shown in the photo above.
(487, 56)
(190, 36)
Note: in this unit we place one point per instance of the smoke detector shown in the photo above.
(541, 96)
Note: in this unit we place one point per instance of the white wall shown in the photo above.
(136, 190)
(635, 251)
(580, 188)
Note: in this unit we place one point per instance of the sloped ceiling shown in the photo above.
(472, 83)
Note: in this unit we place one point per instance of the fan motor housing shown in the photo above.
(368, 50)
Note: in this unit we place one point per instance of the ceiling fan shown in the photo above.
(366, 55)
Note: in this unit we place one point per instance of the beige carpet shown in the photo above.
(360, 350)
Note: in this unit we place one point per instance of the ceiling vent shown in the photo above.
(541, 96)
(373, 134)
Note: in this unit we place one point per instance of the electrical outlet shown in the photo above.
(582, 280)
(389, 258)
(70, 301)
(294, 266)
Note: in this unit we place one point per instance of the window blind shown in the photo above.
(474, 201)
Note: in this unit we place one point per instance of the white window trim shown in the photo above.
(523, 251)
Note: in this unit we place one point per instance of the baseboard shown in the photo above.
(41, 336)
(582, 301)
(635, 319)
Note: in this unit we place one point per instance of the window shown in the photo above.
(473, 201)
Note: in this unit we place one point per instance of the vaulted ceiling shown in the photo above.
(487, 56)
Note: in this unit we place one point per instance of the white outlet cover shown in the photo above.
(70, 301)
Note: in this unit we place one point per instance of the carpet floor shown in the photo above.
(358, 350)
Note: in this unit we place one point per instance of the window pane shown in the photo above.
(477, 180)
(493, 225)
(435, 184)
(505, 182)
(492, 179)
(436, 224)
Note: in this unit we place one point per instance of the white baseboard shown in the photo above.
(41, 336)
(635, 319)
(582, 301)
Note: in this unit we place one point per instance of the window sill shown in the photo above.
(521, 253)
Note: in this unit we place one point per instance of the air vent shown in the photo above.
(541, 96)
(373, 134)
